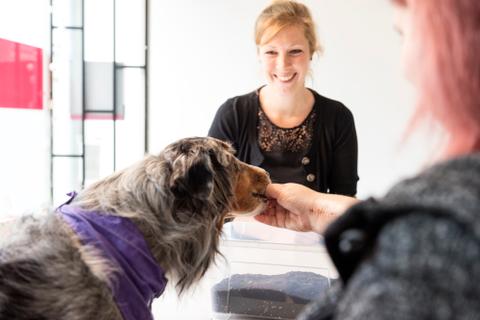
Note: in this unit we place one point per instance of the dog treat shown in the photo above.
(274, 296)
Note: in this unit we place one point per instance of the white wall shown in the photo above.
(24, 146)
(202, 52)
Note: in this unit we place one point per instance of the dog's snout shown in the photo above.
(262, 172)
(261, 175)
(268, 175)
(262, 179)
(264, 176)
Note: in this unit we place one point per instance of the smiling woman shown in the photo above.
(291, 131)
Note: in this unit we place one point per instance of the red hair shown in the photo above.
(449, 74)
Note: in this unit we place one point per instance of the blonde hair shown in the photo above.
(284, 13)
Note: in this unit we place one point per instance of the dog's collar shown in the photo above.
(139, 279)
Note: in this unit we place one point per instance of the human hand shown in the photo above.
(296, 207)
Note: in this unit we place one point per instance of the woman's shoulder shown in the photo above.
(430, 217)
(332, 112)
(451, 186)
(241, 103)
(444, 177)
(330, 106)
(243, 99)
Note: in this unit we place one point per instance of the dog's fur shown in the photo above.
(178, 200)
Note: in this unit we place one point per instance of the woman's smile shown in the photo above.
(286, 78)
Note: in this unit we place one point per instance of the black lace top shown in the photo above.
(272, 138)
(284, 148)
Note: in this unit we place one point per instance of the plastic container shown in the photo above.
(269, 273)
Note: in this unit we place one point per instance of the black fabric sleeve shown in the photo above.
(343, 177)
(225, 124)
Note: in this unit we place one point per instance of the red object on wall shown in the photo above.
(21, 75)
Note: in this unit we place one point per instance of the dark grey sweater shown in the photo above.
(415, 254)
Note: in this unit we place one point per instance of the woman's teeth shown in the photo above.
(285, 78)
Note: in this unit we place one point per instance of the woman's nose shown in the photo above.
(283, 60)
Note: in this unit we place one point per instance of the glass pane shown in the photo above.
(67, 176)
(130, 32)
(98, 88)
(98, 30)
(131, 103)
(98, 149)
(67, 13)
(67, 91)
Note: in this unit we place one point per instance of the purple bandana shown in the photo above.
(139, 278)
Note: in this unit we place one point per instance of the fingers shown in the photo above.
(267, 217)
(275, 215)
(270, 220)
(273, 190)
(270, 210)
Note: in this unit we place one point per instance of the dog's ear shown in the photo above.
(192, 177)
(222, 152)
(222, 158)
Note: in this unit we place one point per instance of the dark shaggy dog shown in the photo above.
(107, 252)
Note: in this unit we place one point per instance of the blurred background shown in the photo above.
(89, 86)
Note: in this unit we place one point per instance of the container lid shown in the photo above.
(249, 229)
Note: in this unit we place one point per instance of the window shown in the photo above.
(98, 91)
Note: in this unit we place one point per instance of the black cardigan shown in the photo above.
(332, 158)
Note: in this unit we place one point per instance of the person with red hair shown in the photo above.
(414, 253)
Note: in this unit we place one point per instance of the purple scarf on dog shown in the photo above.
(139, 278)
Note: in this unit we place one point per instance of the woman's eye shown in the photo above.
(295, 52)
(270, 53)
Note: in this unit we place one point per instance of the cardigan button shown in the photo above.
(305, 160)
(310, 177)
